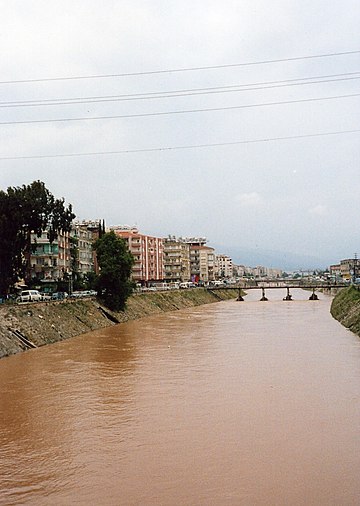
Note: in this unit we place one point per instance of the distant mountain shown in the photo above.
(268, 258)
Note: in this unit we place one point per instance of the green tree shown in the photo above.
(23, 210)
(90, 280)
(114, 285)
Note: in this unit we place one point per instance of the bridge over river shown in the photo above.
(280, 286)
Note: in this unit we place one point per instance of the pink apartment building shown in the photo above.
(147, 252)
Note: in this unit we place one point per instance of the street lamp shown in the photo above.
(70, 283)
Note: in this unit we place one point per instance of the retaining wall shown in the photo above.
(23, 326)
(345, 308)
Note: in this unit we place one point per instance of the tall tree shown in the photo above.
(23, 210)
(115, 261)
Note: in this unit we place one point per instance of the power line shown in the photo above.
(190, 89)
(191, 146)
(177, 93)
(186, 69)
(167, 113)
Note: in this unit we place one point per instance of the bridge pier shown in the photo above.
(313, 296)
(240, 298)
(263, 298)
(288, 295)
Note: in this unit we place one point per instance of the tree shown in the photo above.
(90, 280)
(114, 285)
(23, 210)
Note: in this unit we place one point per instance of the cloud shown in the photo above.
(252, 199)
(219, 191)
(319, 210)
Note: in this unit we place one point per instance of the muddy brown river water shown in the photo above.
(232, 403)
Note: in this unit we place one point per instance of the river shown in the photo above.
(232, 403)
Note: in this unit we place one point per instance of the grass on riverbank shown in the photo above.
(345, 308)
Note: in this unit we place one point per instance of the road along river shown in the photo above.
(253, 403)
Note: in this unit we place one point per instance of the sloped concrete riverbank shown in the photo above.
(345, 308)
(26, 326)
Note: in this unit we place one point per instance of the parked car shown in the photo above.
(30, 296)
(45, 296)
(59, 296)
(80, 294)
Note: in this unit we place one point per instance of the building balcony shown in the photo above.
(40, 254)
(42, 240)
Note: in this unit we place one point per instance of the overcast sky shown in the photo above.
(298, 195)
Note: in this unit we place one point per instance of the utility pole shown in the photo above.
(355, 265)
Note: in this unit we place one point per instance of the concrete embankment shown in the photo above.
(345, 308)
(25, 326)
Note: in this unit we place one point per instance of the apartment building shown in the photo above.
(147, 251)
(224, 266)
(260, 271)
(202, 259)
(207, 263)
(70, 254)
(349, 268)
(83, 235)
(273, 273)
(176, 260)
(239, 270)
(195, 243)
(335, 270)
(49, 261)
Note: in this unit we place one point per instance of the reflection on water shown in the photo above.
(226, 404)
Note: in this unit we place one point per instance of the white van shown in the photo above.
(30, 296)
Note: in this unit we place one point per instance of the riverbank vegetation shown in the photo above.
(114, 283)
(345, 308)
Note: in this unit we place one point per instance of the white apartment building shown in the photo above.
(176, 260)
(224, 266)
(83, 235)
(207, 263)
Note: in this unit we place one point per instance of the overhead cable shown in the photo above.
(186, 69)
(173, 148)
(167, 113)
(176, 93)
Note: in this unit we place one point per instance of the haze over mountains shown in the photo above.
(271, 258)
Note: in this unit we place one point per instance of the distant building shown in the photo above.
(239, 270)
(273, 273)
(224, 266)
(207, 263)
(349, 268)
(259, 271)
(335, 270)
